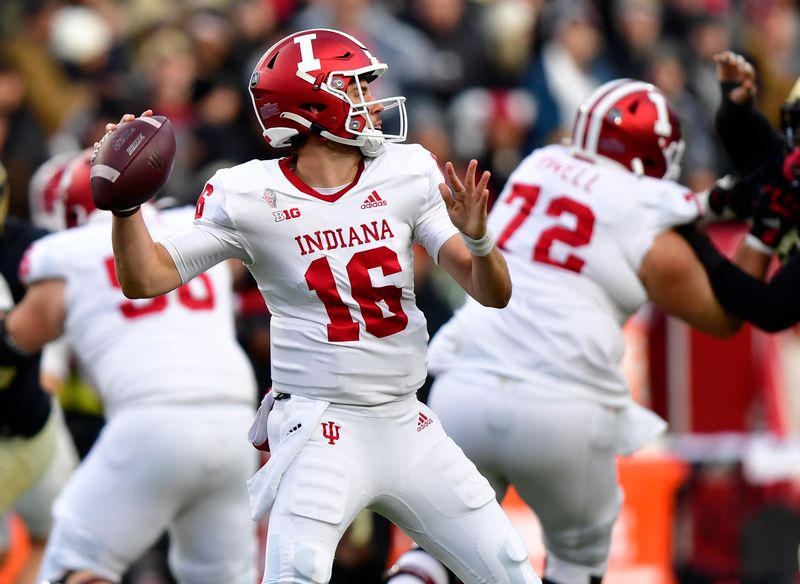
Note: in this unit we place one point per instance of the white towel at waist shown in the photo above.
(291, 422)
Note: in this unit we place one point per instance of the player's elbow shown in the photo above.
(136, 290)
(724, 328)
(139, 287)
(499, 297)
(505, 297)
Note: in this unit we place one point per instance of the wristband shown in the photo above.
(126, 212)
(755, 243)
(479, 247)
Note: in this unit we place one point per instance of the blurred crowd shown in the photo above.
(489, 79)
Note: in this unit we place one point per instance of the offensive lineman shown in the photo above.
(535, 394)
(178, 394)
(328, 234)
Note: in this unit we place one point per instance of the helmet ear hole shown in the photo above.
(314, 108)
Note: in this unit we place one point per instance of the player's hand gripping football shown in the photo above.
(467, 201)
(132, 162)
(736, 76)
(111, 126)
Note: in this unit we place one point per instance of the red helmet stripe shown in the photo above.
(601, 108)
(586, 108)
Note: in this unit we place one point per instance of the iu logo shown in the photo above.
(330, 430)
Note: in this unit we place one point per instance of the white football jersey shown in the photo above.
(574, 235)
(336, 270)
(180, 347)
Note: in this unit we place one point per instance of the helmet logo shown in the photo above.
(308, 61)
(254, 78)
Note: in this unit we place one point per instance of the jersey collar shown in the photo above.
(286, 168)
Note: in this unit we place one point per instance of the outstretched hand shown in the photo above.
(737, 77)
(467, 201)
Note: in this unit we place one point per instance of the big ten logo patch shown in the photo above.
(286, 214)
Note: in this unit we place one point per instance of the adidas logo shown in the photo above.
(424, 422)
(374, 200)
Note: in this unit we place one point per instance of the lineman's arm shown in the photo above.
(677, 283)
(144, 268)
(771, 306)
(39, 317)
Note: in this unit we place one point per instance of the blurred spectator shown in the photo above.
(257, 25)
(569, 67)
(709, 34)
(51, 96)
(23, 143)
(460, 56)
(771, 39)
(511, 26)
(491, 126)
(634, 30)
(700, 163)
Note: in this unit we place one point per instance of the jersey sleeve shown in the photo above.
(42, 261)
(661, 206)
(433, 226)
(212, 239)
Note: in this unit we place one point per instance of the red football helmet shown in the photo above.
(75, 191)
(630, 123)
(43, 195)
(300, 86)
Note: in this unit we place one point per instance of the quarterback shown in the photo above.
(327, 232)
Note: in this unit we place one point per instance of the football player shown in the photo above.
(535, 394)
(327, 233)
(27, 421)
(769, 165)
(178, 393)
(34, 506)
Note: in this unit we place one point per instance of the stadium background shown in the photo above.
(716, 501)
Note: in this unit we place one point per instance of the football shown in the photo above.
(133, 163)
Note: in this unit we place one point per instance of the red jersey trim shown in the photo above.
(284, 164)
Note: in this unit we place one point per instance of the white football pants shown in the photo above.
(558, 452)
(396, 460)
(180, 467)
